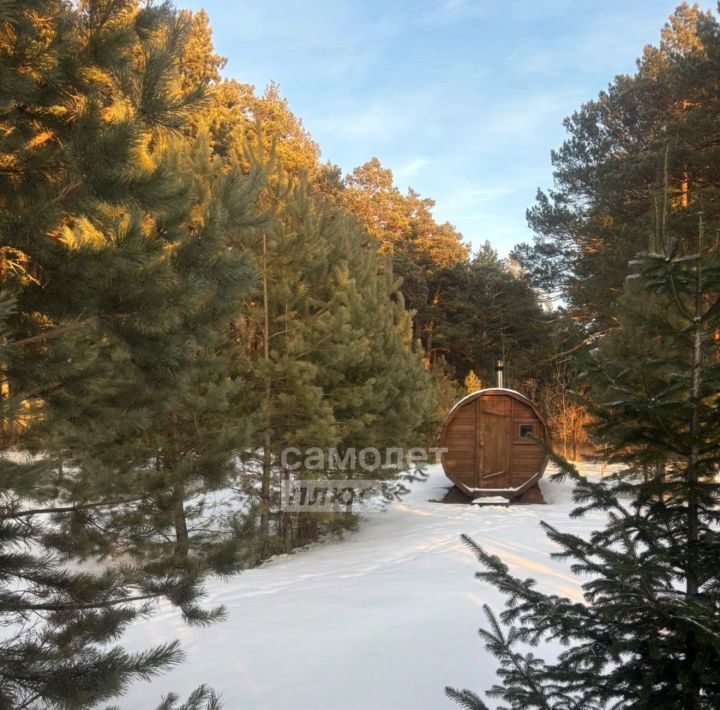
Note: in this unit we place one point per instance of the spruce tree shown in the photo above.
(646, 634)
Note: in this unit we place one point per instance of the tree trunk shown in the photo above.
(266, 457)
(685, 179)
(182, 538)
(431, 328)
(287, 522)
(692, 585)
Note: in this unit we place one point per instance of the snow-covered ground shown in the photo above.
(381, 620)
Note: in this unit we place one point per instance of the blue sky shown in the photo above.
(462, 100)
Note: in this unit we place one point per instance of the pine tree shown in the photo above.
(175, 448)
(606, 174)
(119, 275)
(481, 312)
(647, 632)
(328, 354)
(402, 225)
(303, 337)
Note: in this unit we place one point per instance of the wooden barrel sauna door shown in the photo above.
(487, 436)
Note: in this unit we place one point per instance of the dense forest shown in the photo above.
(187, 290)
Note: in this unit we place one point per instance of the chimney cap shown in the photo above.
(499, 364)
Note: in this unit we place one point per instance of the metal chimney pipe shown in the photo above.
(499, 365)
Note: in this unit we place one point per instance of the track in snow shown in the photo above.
(381, 620)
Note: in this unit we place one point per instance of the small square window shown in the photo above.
(526, 430)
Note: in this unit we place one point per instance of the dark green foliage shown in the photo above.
(610, 169)
(327, 353)
(479, 312)
(177, 439)
(647, 633)
(203, 698)
(468, 309)
(121, 273)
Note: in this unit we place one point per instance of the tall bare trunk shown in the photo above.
(267, 456)
(684, 180)
(287, 518)
(431, 328)
(172, 457)
(692, 583)
(7, 425)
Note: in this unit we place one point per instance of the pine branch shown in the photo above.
(465, 699)
(12, 514)
(55, 333)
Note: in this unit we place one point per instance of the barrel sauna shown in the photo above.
(489, 446)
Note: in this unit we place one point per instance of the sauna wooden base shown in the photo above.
(532, 496)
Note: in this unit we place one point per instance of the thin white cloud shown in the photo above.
(377, 121)
(477, 89)
(487, 193)
(410, 169)
(450, 11)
